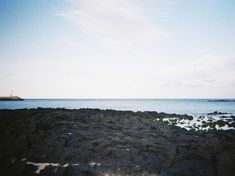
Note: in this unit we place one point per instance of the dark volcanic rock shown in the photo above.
(98, 142)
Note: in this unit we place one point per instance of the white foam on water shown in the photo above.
(201, 122)
(66, 165)
(94, 164)
(42, 166)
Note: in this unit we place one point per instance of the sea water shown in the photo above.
(179, 106)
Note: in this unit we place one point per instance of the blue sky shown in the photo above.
(117, 48)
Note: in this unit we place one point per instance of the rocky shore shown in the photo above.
(61, 142)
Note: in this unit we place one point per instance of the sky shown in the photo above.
(117, 48)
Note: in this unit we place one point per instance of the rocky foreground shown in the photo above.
(60, 142)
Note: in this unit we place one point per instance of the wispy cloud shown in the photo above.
(124, 27)
(119, 24)
(208, 71)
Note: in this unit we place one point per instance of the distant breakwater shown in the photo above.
(11, 98)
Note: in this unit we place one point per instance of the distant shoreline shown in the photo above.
(222, 100)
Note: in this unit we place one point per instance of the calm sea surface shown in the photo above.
(180, 106)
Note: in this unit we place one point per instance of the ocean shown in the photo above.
(179, 106)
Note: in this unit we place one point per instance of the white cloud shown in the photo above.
(118, 25)
(209, 75)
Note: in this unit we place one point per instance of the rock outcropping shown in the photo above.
(60, 142)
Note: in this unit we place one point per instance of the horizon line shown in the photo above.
(51, 98)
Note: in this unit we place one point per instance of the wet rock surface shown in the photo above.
(60, 142)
